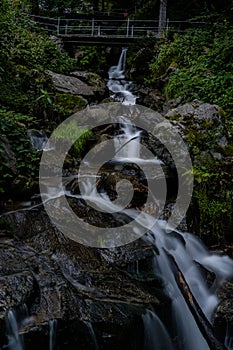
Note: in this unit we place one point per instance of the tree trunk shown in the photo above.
(162, 17)
(201, 320)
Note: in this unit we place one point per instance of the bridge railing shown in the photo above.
(117, 28)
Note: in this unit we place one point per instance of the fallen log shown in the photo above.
(202, 322)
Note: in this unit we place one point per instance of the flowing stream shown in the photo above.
(117, 84)
(187, 250)
(189, 253)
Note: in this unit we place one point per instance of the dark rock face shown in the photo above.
(78, 286)
(223, 318)
(151, 98)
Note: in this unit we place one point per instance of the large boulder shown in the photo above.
(69, 84)
(88, 85)
(93, 80)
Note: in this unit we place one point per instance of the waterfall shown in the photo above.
(92, 334)
(156, 336)
(14, 319)
(188, 252)
(39, 140)
(116, 84)
(128, 147)
(190, 255)
(118, 72)
(124, 148)
(52, 333)
(229, 337)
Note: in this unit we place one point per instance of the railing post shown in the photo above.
(98, 30)
(127, 27)
(66, 28)
(132, 28)
(58, 25)
(167, 25)
(92, 26)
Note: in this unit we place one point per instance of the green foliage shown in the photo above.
(24, 45)
(25, 53)
(213, 192)
(198, 64)
(92, 58)
(74, 134)
(16, 154)
(67, 104)
(202, 62)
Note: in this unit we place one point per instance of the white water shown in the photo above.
(120, 87)
(128, 147)
(155, 333)
(92, 334)
(123, 147)
(187, 251)
(39, 140)
(52, 333)
(229, 338)
(14, 320)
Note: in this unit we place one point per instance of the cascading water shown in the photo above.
(156, 335)
(188, 252)
(128, 151)
(190, 255)
(52, 333)
(116, 84)
(92, 334)
(229, 338)
(14, 320)
(39, 140)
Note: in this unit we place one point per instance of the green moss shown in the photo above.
(73, 133)
(70, 102)
(227, 150)
(67, 104)
(194, 136)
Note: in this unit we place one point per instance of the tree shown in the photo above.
(162, 16)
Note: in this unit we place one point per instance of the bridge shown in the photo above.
(108, 31)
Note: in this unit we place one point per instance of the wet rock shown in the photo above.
(9, 154)
(168, 105)
(83, 84)
(223, 317)
(68, 84)
(97, 84)
(60, 279)
(57, 41)
(150, 98)
(202, 115)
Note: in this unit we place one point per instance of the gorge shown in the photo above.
(57, 291)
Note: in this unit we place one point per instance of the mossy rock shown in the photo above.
(71, 102)
(227, 150)
(194, 137)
